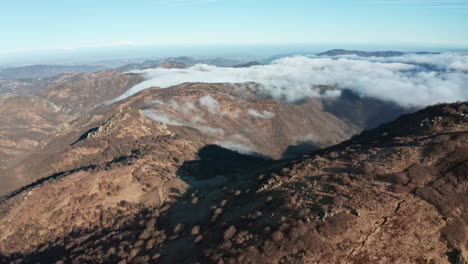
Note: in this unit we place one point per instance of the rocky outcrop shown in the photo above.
(129, 122)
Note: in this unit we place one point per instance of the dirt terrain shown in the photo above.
(153, 192)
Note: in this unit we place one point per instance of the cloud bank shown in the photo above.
(412, 80)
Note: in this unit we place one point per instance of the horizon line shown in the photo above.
(137, 45)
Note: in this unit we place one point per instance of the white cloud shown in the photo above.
(262, 115)
(409, 80)
(182, 108)
(239, 138)
(308, 138)
(207, 103)
(459, 66)
(162, 117)
(210, 104)
(442, 61)
(243, 149)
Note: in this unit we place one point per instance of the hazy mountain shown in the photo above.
(172, 65)
(248, 64)
(12, 87)
(221, 62)
(42, 71)
(338, 52)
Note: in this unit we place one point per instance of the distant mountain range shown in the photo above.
(42, 71)
(338, 52)
(360, 53)
(28, 73)
(248, 64)
(220, 62)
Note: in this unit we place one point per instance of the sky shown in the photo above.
(31, 25)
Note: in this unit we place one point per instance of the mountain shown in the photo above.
(248, 64)
(141, 65)
(151, 192)
(339, 52)
(220, 62)
(39, 129)
(224, 173)
(427, 52)
(237, 117)
(172, 65)
(43, 71)
(29, 120)
(12, 87)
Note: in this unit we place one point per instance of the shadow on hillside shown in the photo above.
(224, 190)
(214, 160)
(219, 174)
(85, 135)
(350, 106)
(298, 150)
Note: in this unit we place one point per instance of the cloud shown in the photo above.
(261, 115)
(234, 142)
(161, 117)
(436, 62)
(240, 138)
(410, 80)
(182, 108)
(459, 66)
(164, 118)
(242, 149)
(308, 138)
(210, 104)
(207, 103)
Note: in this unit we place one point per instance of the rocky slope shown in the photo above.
(394, 194)
(240, 117)
(28, 121)
(39, 129)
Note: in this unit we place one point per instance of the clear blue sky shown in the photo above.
(27, 25)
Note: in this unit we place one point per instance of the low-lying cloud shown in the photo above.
(164, 118)
(210, 104)
(409, 80)
(261, 114)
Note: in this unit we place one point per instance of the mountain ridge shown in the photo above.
(331, 205)
(338, 52)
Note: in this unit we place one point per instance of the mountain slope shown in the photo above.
(370, 199)
(29, 121)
